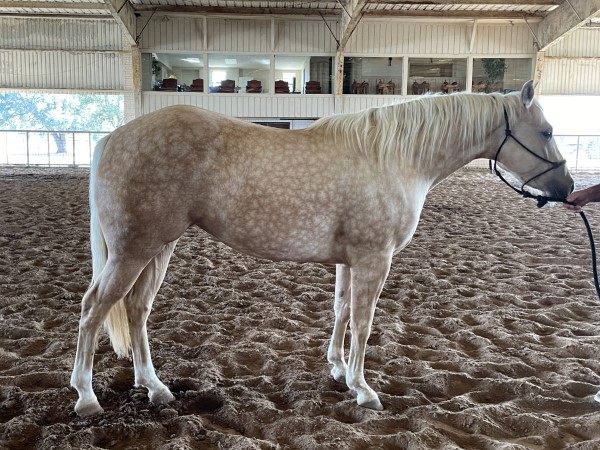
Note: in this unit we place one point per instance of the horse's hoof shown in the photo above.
(340, 377)
(374, 404)
(88, 409)
(162, 398)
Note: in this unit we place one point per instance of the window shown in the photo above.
(217, 77)
(298, 70)
(185, 68)
(500, 74)
(445, 75)
(240, 69)
(372, 75)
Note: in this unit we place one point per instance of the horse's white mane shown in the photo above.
(414, 130)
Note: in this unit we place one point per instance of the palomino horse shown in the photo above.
(348, 190)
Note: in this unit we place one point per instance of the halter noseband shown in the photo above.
(541, 199)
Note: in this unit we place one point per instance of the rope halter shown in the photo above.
(541, 199)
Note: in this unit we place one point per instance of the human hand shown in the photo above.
(577, 200)
(572, 207)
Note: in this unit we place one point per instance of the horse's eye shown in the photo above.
(547, 134)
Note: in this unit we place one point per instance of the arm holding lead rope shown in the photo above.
(579, 199)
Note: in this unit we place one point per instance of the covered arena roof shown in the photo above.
(500, 9)
(557, 17)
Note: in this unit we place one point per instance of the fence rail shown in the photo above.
(75, 148)
(48, 148)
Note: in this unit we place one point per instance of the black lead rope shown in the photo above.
(593, 248)
(542, 199)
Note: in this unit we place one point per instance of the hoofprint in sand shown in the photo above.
(485, 335)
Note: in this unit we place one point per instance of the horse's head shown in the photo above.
(529, 151)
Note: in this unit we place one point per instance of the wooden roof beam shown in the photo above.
(53, 5)
(569, 16)
(470, 2)
(508, 15)
(238, 10)
(353, 12)
(123, 13)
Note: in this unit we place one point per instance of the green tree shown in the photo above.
(494, 68)
(60, 112)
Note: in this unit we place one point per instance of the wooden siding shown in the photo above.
(233, 35)
(504, 39)
(582, 43)
(173, 34)
(37, 69)
(268, 106)
(563, 76)
(239, 105)
(59, 34)
(308, 37)
(390, 38)
(237, 35)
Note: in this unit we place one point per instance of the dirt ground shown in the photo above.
(486, 335)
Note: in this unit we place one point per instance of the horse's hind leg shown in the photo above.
(138, 304)
(341, 307)
(112, 284)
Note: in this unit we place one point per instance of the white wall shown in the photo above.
(386, 38)
(572, 66)
(237, 35)
(61, 54)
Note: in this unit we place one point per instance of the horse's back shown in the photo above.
(229, 177)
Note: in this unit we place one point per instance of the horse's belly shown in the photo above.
(277, 239)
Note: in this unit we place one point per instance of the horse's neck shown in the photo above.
(453, 157)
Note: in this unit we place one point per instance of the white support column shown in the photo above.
(469, 81)
(405, 76)
(538, 72)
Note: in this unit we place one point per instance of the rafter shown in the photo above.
(53, 5)
(466, 14)
(238, 10)
(123, 13)
(470, 2)
(569, 16)
(354, 11)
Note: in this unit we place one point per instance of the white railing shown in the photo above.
(582, 153)
(48, 148)
(75, 148)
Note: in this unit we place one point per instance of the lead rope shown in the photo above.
(541, 199)
(593, 249)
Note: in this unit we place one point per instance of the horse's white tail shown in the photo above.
(116, 323)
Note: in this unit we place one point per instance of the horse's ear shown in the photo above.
(527, 93)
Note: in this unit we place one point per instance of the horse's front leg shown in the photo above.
(367, 277)
(341, 307)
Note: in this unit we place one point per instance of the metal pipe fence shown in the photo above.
(48, 148)
(75, 148)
